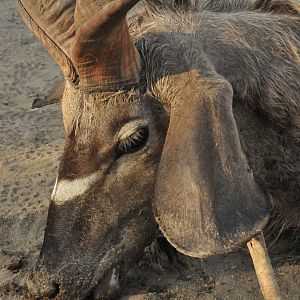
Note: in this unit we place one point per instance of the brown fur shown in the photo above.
(196, 58)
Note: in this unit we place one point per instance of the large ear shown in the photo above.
(206, 200)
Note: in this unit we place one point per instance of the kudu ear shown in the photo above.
(53, 97)
(206, 200)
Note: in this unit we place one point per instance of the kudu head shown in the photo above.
(117, 139)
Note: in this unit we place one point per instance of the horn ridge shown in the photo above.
(53, 47)
(103, 52)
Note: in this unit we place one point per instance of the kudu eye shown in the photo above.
(135, 141)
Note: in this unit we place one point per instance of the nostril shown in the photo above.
(40, 289)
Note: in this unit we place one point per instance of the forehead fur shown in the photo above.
(80, 107)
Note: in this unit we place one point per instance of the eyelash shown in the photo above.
(135, 141)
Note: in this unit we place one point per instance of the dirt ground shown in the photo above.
(31, 143)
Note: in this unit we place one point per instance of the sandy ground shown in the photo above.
(31, 143)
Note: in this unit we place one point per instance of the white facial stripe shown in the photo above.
(65, 190)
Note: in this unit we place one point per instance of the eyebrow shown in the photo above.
(133, 124)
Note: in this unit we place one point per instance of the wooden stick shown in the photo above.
(264, 271)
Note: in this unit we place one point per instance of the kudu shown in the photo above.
(183, 116)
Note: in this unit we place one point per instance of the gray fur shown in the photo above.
(219, 81)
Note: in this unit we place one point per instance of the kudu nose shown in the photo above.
(40, 287)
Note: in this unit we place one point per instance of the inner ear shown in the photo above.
(206, 200)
